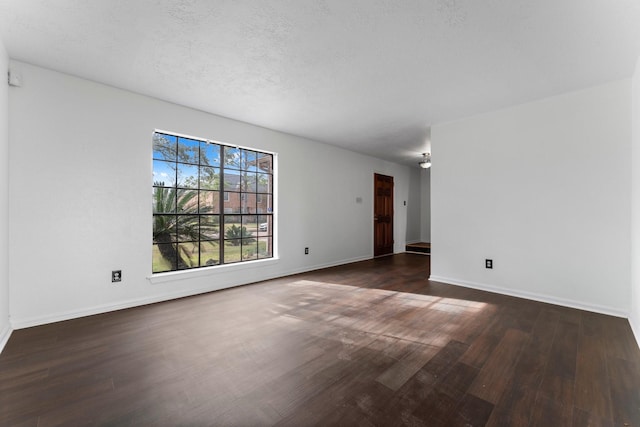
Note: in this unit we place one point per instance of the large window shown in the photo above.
(212, 203)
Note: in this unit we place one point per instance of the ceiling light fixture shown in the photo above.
(426, 161)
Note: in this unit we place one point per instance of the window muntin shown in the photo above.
(212, 203)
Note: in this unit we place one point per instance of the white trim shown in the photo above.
(172, 276)
(611, 311)
(74, 314)
(211, 141)
(206, 271)
(4, 337)
(327, 265)
(61, 316)
(99, 309)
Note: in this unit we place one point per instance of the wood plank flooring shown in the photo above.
(367, 344)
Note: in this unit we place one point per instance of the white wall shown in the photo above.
(80, 194)
(413, 210)
(5, 329)
(543, 189)
(425, 206)
(634, 318)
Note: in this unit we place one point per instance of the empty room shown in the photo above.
(320, 212)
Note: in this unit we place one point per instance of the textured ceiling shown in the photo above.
(368, 75)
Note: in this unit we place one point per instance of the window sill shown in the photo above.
(172, 276)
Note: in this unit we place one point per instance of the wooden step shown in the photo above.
(420, 247)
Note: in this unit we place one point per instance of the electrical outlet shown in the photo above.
(116, 276)
(488, 263)
(306, 251)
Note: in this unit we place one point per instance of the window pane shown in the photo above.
(209, 154)
(269, 203)
(265, 225)
(164, 228)
(231, 157)
(209, 178)
(265, 162)
(248, 236)
(231, 180)
(248, 203)
(265, 247)
(232, 250)
(250, 251)
(164, 146)
(232, 224)
(250, 223)
(188, 150)
(248, 182)
(209, 253)
(164, 173)
(189, 253)
(187, 176)
(187, 228)
(249, 160)
(231, 203)
(162, 258)
(209, 202)
(265, 183)
(164, 200)
(187, 201)
(209, 227)
(264, 203)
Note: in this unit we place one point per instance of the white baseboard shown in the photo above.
(74, 314)
(4, 337)
(61, 316)
(580, 305)
(29, 322)
(329, 265)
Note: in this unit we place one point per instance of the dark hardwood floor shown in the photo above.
(367, 344)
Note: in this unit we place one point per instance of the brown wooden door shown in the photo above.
(383, 215)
